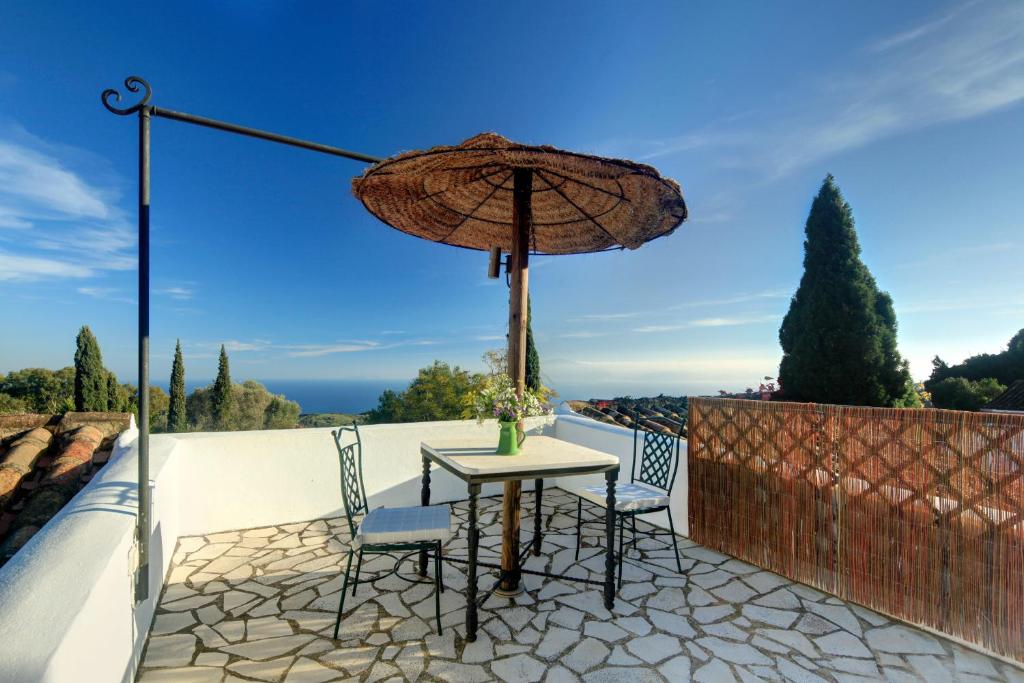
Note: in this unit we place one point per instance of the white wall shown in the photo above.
(240, 480)
(68, 612)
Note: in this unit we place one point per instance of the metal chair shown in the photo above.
(386, 531)
(647, 492)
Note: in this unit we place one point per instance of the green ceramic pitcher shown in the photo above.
(509, 440)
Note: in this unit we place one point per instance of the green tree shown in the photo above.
(40, 390)
(532, 357)
(159, 406)
(281, 413)
(439, 392)
(177, 418)
(10, 404)
(121, 398)
(91, 393)
(222, 400)
(389, 408)
(1005, 367)
(959, 393)
(253, 407)
(839, 336)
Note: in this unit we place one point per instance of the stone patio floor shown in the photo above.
(259, 605)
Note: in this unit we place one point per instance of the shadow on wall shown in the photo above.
(141, 620)
(123, 499)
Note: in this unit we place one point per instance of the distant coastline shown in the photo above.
(353, 396)
(319, 395)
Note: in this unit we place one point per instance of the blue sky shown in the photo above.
(915, 107)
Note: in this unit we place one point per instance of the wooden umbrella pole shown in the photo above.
(522, 219)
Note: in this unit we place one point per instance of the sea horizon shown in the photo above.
(355, 396)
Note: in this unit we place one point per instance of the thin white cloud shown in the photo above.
(106, 294)
(953, 256)
(177, 292)
(42, 186)
(582, 334)
(354, 346)
(938, 72)
(255, 345)
(597, 317)
(728, 322)
(62, 220)
(647, 329)
(740, 367)
(980, 302)
(763, 295)
(745, 297)
(708, 322)
(233, 345)
(490, 337)
(20, 267)
(912, 34)
(319, 350)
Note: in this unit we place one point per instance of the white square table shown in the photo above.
(540, 457)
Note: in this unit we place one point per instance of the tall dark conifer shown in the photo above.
(839, 336)
(532, 357)
(177, 421)
(90, 378)
(222, 401)
(115, 403)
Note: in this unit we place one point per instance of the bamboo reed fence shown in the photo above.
(915, 513)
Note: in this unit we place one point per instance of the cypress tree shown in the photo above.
(839, 336)
(91, 392)
(222, 400)
(532, 357)
(177, 420)
(114, 402)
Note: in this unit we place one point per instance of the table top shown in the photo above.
(539, 457)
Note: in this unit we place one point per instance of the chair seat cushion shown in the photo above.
(404, 525)
(628, 497)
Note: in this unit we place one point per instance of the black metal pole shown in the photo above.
(473, 545)
(261, 134)
(610, 478)
(142, 578)
(424, 501)
(110, 98)
(538, 494)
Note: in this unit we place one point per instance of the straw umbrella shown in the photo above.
(491, 192)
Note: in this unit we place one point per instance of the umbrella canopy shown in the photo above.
(462, 195)
(491, 192)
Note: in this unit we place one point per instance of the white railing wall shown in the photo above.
(68, 612)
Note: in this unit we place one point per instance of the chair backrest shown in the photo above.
(659, 458)
(350, 459)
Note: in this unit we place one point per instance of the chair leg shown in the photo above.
(579, 519)
(344, 589)
(622, 525)
(437, 586)
(359, 567)
(675, 545)
(440, 574)
(634, 533)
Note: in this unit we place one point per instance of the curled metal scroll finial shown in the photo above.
(133, 84)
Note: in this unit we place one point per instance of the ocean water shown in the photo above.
(358, 396)
(321, 395)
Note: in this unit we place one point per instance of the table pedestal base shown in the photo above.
(515, 592)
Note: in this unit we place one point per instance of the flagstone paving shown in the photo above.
(259, 605)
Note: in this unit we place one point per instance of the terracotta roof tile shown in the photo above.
(1011, 399)
(44, 461)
